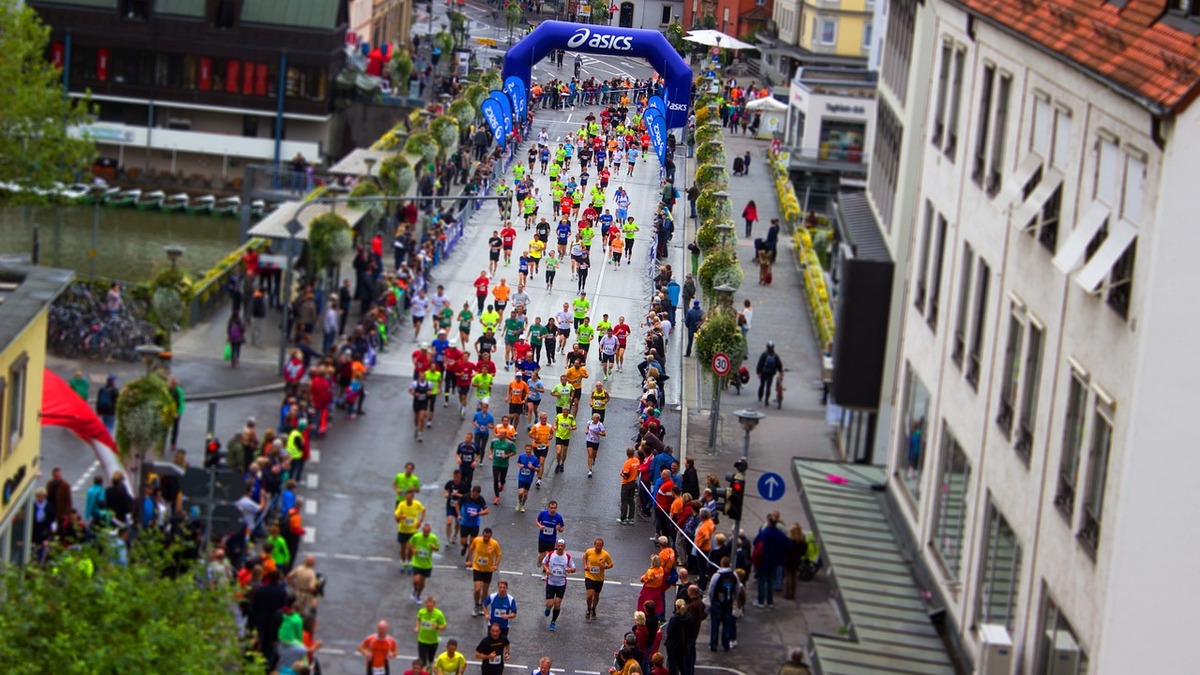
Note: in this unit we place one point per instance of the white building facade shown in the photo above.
(1037, 447)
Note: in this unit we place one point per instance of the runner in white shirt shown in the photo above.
(565, 320)
(556, 565)
(595, 431)
(608, 352)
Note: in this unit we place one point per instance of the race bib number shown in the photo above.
(378, 670)
(594, 569)
(526, 471)
(428, 625)
(549, 531)
(409, 520)
(558, 570)
(495, 659)
(482, 561)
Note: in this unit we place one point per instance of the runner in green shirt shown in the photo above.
(430, 622)
(445, 318)
(423, 543)
(603, 325)
(536, 333)
(584, 334)
(586, 235)
(405, 481)
(551, 263)
(519, 172)
(482, 382)
(434, 377)
(554, 171)
(562, 394)
(580, 307)
(465, 317)
(530, 205)
(490, 318)
(501, 450)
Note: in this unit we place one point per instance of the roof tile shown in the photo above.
(1130, 47)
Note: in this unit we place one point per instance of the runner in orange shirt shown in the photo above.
(629, 476)
(518, 394)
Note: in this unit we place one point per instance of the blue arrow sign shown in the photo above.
(771, 486)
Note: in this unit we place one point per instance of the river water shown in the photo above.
(129, 242)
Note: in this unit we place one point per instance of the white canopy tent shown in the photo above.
(274, 224)
(715, 38)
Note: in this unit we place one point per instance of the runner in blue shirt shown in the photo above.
(549, 524)
(484, 421)
(529, 464)
(606, 222)
(470, 510)
(563, 232)
(501, 607)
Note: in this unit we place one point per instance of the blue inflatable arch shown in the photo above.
(606, 40)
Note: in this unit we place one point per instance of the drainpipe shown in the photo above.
(279, 93)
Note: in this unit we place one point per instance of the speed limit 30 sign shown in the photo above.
(721, 364)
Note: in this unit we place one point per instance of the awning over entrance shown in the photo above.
(274, 224)
(887, 628)
(361, 162)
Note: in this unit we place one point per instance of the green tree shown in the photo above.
(85, 614)
(329, 239)
(675, 35)
(36, 147)
(145, 411)
(600, 13)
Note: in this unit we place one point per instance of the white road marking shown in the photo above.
(311, 480)
(86, 477)
(310, 507)
(310, 535)
(314, 455)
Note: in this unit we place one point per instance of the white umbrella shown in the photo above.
(715, 38)
(767, 104)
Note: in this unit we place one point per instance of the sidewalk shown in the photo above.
(797, 429)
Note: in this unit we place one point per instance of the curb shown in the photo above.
(237, 393)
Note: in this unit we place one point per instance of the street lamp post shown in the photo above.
(174, 253)
(749, 419)
(293, 228)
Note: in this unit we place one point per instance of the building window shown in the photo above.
(1121, 282)
(943, 91)
(999, 135)
(956, 85)
(950, 517)
(1027, 421)
(867, 30)
(17, 385)
(1097, 475)
(923, 259)
(1068, 464)
(828, 31)
(1010, 378)
(1000, 578)
(1059, 651)
(1048, 220)
(898, 45)
(885, 160)
(964, 304)
(1107, 165)
(1062, 137)
(1133, 189)
(665, 17)
(916, 412)
(935, 285)
(135, 10)
(981, 298)
(1042, 133)
(985, 121)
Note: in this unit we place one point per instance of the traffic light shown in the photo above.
(720, 494)
(213, 452)
(737, 489)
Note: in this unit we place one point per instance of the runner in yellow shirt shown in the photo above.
(410, 515)
(483, 559)
(540, 435)
(595, 561)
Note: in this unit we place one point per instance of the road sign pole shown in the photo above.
(718, 384)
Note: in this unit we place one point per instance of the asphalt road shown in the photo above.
(348, 484)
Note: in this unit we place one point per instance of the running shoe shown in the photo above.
(551, 625)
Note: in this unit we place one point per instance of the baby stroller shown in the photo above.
(739, 166)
